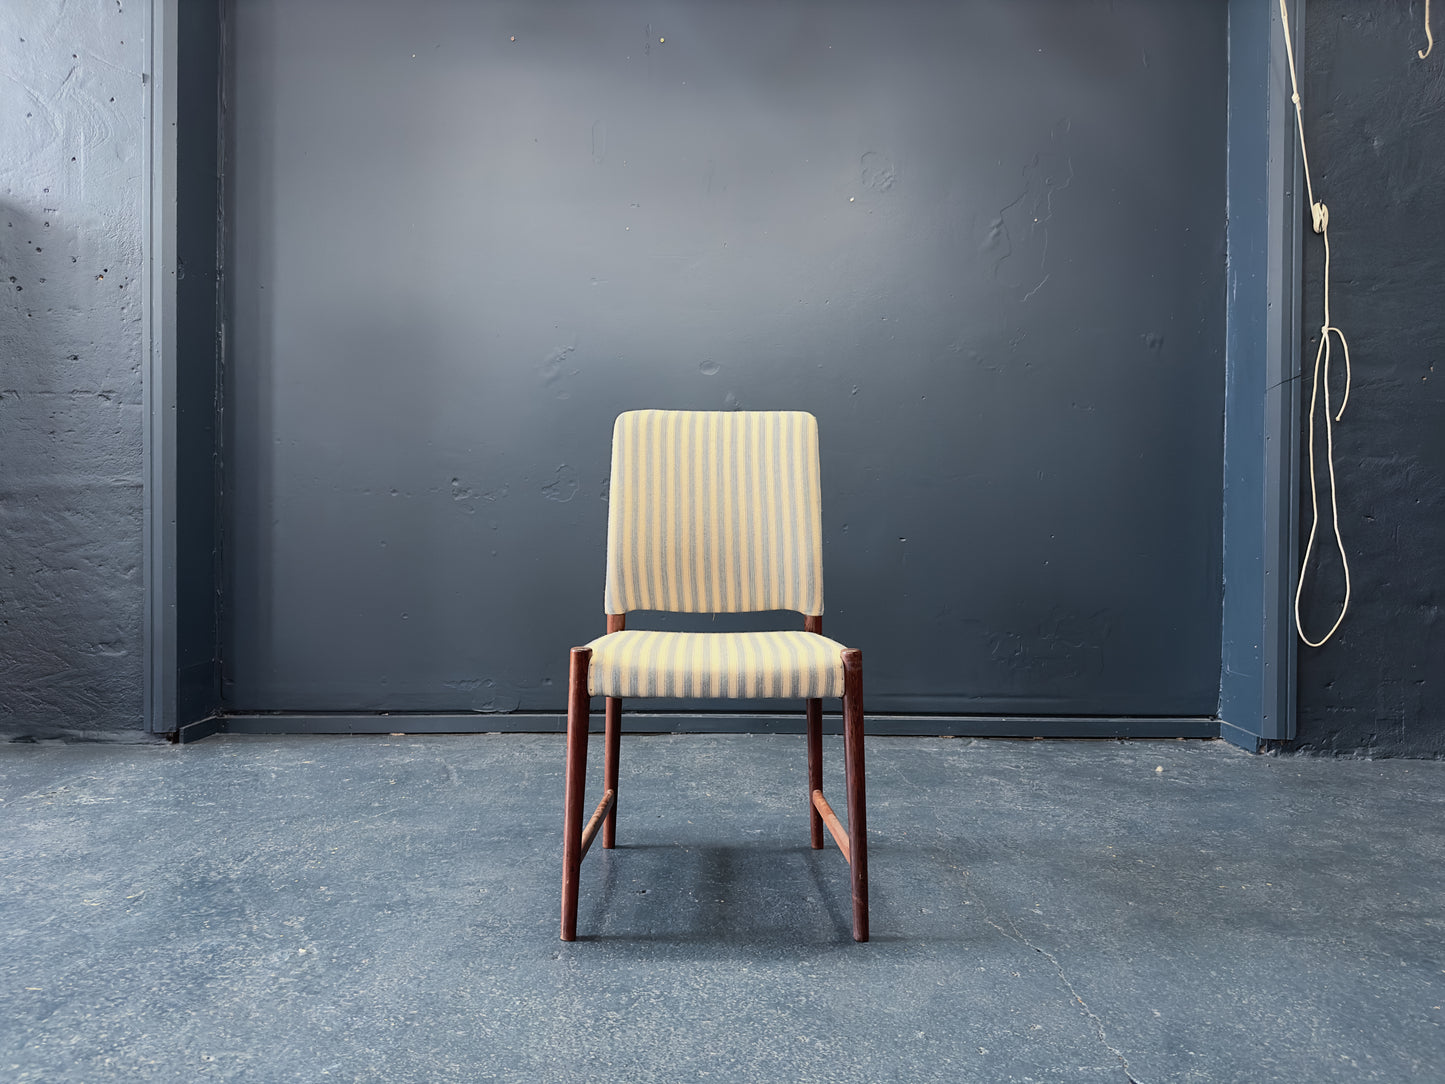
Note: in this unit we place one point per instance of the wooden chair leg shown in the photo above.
(857, 802)
(815, 770)
(611, 748)
(579, 712)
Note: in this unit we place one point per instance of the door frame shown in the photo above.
(1258, 646)
(158, 238)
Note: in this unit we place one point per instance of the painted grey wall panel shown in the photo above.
(984, 243)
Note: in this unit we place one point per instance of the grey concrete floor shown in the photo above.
(385, 909)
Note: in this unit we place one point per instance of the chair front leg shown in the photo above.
(610, 751)
(579, 712)
(857, 803)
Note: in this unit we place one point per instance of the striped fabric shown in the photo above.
(714, 512)
(715, 664)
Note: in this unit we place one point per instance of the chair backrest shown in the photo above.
(714, 512)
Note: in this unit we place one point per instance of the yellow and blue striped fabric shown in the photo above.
(715, 664)
(714, 512)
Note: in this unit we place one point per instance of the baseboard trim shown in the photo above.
(953, 726)
(201, 728)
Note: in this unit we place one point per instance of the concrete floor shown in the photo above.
(385, 909)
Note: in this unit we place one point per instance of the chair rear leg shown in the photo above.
(815, 770)
(579, 711)
(857, 802)
(611, 748)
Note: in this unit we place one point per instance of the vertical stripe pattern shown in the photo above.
(754, 665)
(714, 512)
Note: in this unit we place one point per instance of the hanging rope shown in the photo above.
(1320, 215)
(1429, 37)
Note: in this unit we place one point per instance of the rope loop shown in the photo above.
(1320, 388)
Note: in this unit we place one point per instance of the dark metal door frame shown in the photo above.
(181, 431)
(1262, 363)
(158, 339)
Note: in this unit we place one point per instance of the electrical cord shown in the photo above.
(1320, 217)
(1429, 37)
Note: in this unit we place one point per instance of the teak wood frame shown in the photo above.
(577, 839)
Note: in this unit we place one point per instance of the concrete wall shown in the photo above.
(71, 130)
(70, 367)
(1375, 121)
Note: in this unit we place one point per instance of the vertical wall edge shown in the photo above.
(159, 385)
(1258, 647)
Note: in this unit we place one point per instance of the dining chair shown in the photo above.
(714, 512)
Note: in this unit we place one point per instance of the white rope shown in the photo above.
(1320, 215)
(1429, 37)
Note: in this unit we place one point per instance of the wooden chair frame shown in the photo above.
(577, 839)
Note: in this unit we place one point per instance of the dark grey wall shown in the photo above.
(984, 243)
(1375, 117)
(71, 196)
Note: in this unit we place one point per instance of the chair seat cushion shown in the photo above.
(715, 664)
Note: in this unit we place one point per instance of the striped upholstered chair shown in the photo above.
(714, 512)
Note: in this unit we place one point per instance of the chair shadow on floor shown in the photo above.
(717, 893)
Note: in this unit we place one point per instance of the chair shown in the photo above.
(714, 512)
